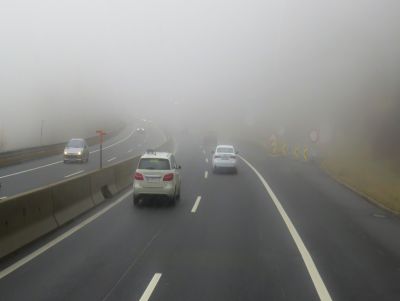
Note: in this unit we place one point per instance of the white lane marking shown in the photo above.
(31, 169)
(310, 265)
(196, 204)
(129, 151)
(3, 198)
(58, 162)
(116, 143)
(112, 159)
(150, 288)
(57, 240)
(204, 152)
(74, 174)
(206, 175)
(206, 160)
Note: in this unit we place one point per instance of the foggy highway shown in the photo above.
(225, 240)
(307, 92)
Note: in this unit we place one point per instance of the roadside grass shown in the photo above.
(375, 180)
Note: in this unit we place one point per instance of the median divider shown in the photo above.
(72, 198)
(25, 219)
(28, 216)
(103, 185)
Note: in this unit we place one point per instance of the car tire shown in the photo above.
(136, 201)
(172, 201)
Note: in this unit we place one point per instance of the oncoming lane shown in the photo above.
(39, 173)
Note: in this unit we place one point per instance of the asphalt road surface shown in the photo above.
(297, 236)
(38, 173)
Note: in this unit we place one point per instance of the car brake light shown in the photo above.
(168, 177)
(139, 176)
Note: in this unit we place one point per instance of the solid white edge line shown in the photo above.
(310, 265)
(52, 243)
(112, 159)
(31, 169)
(150, 288)
(3, 198)
(205, 174)
(196, 204)
(74, 174)
(116, 143)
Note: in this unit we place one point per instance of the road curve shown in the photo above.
(225, 240)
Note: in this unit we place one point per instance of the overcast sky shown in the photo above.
(236, 62)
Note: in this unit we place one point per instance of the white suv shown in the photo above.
(157, 174)
(224, 157)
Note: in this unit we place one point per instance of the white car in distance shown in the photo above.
(224, 157)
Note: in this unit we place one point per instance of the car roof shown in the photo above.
(156, 155)
(77, 139)
(225, 145)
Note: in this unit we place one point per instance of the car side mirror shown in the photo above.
(237, 152)
(179, 167)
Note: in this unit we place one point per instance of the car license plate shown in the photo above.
(153, 180)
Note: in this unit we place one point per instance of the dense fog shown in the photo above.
(256, 66)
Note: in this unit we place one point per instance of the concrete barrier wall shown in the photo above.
(28, 216)
(72, 198)
(102, 183)
(24, 219)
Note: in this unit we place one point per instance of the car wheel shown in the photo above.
(173, 200)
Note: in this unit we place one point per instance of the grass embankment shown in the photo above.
(377, 180)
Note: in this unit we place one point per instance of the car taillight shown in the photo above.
(139, 176)
(168, 177)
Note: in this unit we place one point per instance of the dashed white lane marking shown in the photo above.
(129, 151)
(310, 265)
(150, 288)
(112, 159)
(57, 240)
(196, 204)
(206, 160)
(204, 152)
(59, 162)
(31, 169)
(74, 174)
(205, 174)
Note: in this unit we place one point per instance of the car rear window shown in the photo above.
(154, 163)
(228, 150)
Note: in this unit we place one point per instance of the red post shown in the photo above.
(101, 134)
